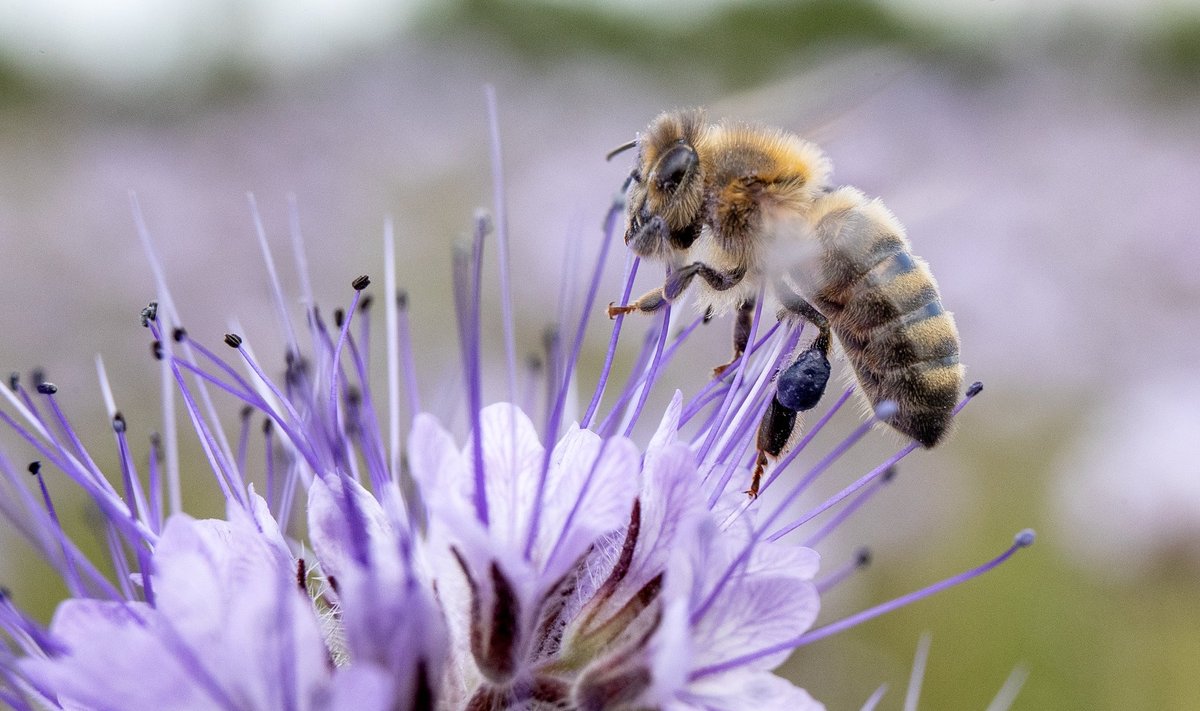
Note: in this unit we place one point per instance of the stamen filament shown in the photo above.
(1023, 540)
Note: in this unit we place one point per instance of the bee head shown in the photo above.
(667, 181)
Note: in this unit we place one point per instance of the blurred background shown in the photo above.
(1044, 156)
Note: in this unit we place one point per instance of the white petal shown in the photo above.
(760, 691)
(668, 427)
(330, 526)
(362, 687)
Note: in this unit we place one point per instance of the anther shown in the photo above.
(156, 349)
(118, 423)
(401, 299)
(975, 389)
(1025, 538)
(301, 574)
(268, 425)
(365, 304)
(233, 340)
(361, 282)
(14, 379)
(47, 388)
(886, 409)
(339, 317)
(34, 467)
(150, 313)
(179, 334)
(862, 557)
(246, 412)
(889, 474)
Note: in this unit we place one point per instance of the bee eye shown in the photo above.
(674, 167)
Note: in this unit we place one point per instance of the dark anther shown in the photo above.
(339, 317)
(353, 397)
(333, 583)
(156, 350)
(37, 375)
(365, 304)
(862, 558)
(975, 389)
(401, 299)
(246, 412)
(14, 380)
(35, 467)
(889, 474)
(361, 282)
(550, 338)
(118, 423)
(534, 362)
(47, 388)
(179, 334)
(301, 574)
(233, 340)
(150, 313)
(268, 426)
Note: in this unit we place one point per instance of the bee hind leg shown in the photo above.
(798, 388)
(741, 335)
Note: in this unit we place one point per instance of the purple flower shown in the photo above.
(506, 566)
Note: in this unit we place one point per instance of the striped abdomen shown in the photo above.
(883, 304)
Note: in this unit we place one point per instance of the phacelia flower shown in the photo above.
(504, 567)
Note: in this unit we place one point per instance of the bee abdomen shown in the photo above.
(903, 345)
(913, 361)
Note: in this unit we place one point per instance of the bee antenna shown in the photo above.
(620, 149)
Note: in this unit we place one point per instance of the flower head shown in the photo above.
(504, 568)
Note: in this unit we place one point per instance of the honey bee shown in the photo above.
(750, 210)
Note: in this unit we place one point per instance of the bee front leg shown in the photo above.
(647, 303)
(648, 238)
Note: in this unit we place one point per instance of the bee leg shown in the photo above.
(774, 431)
(741, 335)
(647, 303)
(649, 238)
(718, 280)
(798, 388)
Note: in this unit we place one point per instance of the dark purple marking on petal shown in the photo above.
(548, 634)
(302, 574)
(621, 620)
(504, 640)
(598, 692)
(620, 568)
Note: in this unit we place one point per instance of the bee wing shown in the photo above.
(850, 241)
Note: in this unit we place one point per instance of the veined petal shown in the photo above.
(738, 691)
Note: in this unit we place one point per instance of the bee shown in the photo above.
(750, 211)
